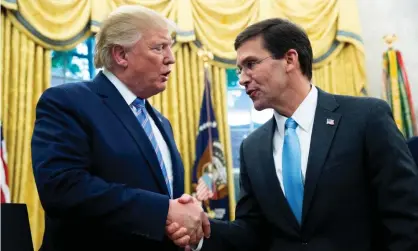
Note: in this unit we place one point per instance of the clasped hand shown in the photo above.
(187, 223)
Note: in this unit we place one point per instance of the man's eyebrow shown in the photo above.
(245, 60)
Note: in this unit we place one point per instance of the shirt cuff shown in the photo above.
(199, 246)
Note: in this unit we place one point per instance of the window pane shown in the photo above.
(258, 118)
(237, 135)
(73, 65)
(82, 49)
(239, 108)
(236, 183)
(78, 68)
(57, 80)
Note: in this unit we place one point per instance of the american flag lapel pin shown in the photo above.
(330, 122)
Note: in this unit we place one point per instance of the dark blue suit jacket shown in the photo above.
(360, 194)
(97, 174)
(413, 147)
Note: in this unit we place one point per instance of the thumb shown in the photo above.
(185, 198)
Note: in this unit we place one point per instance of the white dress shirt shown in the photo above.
(304, 117)
(129, 97)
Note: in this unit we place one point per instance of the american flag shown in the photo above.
(4, 182)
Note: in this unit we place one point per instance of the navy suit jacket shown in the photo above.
(360, 194)
(97, 174)
(413, 147)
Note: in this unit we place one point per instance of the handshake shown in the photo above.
(187, 223)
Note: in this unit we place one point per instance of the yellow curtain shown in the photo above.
(343, 75)
(58, 25)
(25, 74)
(334, 30)
(333, 27)
(101, 8)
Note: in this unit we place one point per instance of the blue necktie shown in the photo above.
(143, 118)
(292, 173)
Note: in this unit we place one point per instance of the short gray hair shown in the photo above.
(124, 26)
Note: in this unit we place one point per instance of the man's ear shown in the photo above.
(119, 55)
(292, 60)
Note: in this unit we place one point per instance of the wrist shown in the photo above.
(170, 210)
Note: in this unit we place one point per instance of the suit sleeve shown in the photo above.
(249, 230)
(394, 179)
(61, 150)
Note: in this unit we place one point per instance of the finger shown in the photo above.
(182, 242)
(193, 238)
(187, 248)
(206, 225)
(185, 198)
(179, 234)
(172, 228)
(199, 235)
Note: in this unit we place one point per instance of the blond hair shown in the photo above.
(124, 27)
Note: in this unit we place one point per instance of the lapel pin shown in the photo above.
(330, 122)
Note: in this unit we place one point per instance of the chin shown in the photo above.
(259, 106)
(162, 86)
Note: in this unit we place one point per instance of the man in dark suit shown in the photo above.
(413, 147)
(106, 166)
(327, 172)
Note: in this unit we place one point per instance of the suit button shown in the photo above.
(304, 243)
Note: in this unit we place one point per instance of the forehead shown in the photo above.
(160, 36)
(251, 49)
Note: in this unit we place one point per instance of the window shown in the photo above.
(242, 119)
(73, 65)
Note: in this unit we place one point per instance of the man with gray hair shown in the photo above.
(106, 166)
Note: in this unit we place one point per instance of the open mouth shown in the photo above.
(251, 93)
(166, 74)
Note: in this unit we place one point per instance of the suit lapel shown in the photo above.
(325, 125)
(278, 200)
(178, 184)
(115, 102)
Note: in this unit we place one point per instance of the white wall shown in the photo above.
(381, 17)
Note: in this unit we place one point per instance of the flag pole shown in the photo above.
(206, 56)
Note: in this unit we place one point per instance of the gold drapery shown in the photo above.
(334, 30)
(25, 74)
(333, 27)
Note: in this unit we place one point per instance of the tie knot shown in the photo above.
(139, 103)
(290, 123)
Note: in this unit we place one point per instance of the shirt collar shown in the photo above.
(127, 94)
(304, 114)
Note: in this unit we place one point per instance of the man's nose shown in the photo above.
(244, 79)
(169, 59)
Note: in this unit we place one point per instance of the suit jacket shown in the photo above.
(97, 174)
(361, 188)
(413, 147)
